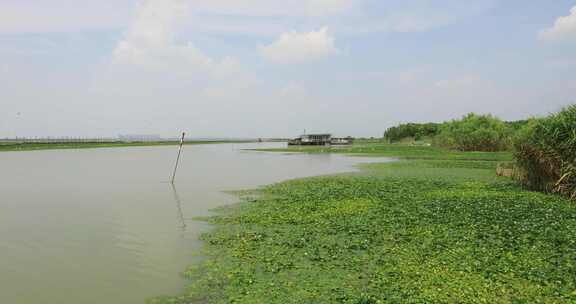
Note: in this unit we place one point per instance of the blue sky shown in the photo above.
(272, 68)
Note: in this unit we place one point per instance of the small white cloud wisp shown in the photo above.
(295, 47)
(329, 7)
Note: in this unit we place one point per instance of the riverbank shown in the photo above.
(31, 146)
(409, 152)
(435, 227)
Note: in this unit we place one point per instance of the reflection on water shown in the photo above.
(103, 226)
(179, 213)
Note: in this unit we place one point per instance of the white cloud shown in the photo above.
(150, 40)
(564, 28)
(294, 47)
(151, 61)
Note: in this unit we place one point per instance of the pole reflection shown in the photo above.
(179, 213)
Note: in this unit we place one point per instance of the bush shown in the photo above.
(517, 125)
(475, 133)
(411, 130)
(545, 150)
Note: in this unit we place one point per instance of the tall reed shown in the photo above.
(545, 150)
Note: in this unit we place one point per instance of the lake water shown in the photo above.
(104, 226)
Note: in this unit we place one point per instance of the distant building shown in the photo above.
(320, 140)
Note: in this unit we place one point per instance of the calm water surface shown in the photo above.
(104, 226)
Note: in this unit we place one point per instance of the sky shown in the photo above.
(261, 68)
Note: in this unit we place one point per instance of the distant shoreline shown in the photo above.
(16, 147)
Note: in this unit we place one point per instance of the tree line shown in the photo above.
(544, 148)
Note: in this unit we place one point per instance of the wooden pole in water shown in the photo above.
(178, 158)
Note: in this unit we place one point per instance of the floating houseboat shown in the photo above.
(342, 140)
(320, 140)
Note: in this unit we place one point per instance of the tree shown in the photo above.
(475, 133)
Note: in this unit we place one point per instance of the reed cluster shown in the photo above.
(545, 151)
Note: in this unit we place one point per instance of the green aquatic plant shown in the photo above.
(414, 231)
(402, 151)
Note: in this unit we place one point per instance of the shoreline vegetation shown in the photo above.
(24, 146)
(437, 226)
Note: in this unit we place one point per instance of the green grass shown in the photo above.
(416, 231)
(12, 147)
(402, 151)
